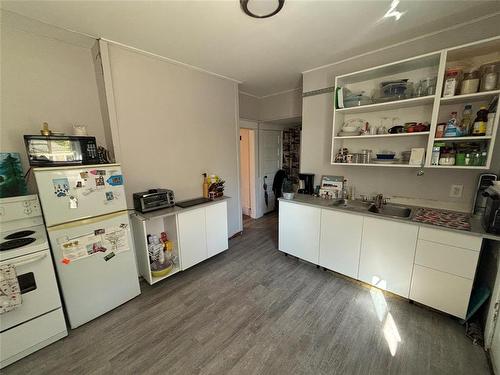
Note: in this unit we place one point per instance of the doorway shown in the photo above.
(247, 174)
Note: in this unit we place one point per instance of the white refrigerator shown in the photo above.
(86, 215)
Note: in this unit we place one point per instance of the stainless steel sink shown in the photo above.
(391, 211)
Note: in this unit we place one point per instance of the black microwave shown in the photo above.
(60, 150)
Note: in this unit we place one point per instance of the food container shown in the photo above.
(396, 89)
(357, 100)
(452, 81)
(447, 157)
(405, 156)
(470, 83)
(489, 77)
(440, 128)
(288, 195)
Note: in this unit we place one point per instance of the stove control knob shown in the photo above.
(27, 211)
(26, 203)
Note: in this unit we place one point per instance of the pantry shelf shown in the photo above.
(377, 165)
(460, 139)
(397, 104)
(469, 97)
(383, 135)
(457, 167)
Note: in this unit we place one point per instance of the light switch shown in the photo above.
(456, 191)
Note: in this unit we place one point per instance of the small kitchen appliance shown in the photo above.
(491, 217)
(484, 181)
(153, 199)
(38, 320)
(306, 183)
(60, 150)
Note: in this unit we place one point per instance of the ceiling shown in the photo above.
(266, 55)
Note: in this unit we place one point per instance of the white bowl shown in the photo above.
(288, 195)
(350, 129)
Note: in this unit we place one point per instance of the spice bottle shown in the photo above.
(480, 122)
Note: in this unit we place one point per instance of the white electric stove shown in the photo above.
(39, 320)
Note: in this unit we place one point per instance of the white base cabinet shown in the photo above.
(299, 228)
(387, 252)
(202, 233)
(340, 242)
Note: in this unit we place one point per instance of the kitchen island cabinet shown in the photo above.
(299, 231)
(340, 242)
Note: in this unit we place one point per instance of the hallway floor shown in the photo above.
(252, 310)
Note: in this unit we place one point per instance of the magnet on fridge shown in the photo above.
(109, 196)
(101, 172)
(99, 181)
(88, 191)
(109, 256)
(93, 171)
(84, 175)
(79, 184)
(115, 180)
(61, 187)
(73, 202)
(123, 226)
(99, 231)
(65, 261)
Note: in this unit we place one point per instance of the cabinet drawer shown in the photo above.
(455, 260)
(442, 291)
(450, 238)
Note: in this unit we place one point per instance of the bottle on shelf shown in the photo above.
(480, 122)
(466, 124)
(205, 185)
(452, 128)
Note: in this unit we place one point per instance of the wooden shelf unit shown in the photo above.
(420, 109)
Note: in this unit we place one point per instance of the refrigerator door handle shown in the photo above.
(92, 220)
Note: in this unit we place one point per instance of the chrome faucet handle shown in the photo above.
(386, 200)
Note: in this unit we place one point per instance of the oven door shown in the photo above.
(39, 290)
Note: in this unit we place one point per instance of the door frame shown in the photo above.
(254, 162)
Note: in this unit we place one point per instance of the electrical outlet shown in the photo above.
(456, 191)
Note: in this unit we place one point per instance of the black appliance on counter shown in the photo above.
(60, 150)
(491, 218)
(153, 199)
(484, 181)
(306, 183)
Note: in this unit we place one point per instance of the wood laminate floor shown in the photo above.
(251, 310)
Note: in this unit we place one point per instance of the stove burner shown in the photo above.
(19, 242)
(22, 233)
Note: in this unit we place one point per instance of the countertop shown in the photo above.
(309, 200)
(176, 210)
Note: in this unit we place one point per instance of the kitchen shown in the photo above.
(167, 119)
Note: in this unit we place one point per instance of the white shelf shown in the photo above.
(469, 97)
(154, 280)
(383, 135)
(396, 104)
(378, 165)
(456, 167)
(460, 139)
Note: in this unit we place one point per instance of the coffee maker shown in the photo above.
(484, 181)
(306, 183)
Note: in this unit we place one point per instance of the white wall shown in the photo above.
(278, 106)
(317, 116)
(45, 79)
(175, 123)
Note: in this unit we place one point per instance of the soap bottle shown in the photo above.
(467, 124)
(452, 129)
(480, 122)
(205, 186)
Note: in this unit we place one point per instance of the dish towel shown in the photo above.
(10, 293)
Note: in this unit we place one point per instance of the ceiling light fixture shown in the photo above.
(392, 12)
(256, 6)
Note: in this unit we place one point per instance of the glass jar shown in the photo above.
(470, 83)
(447, 157)
(489, 77)
(451, 82)
(366, 156)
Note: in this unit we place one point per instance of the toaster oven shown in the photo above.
(153, 199)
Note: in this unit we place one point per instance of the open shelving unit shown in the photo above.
(154, 223)
(433, 109)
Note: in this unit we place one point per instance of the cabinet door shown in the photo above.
(299, 227)
(441, 290)
(216, 224)
(387, 253)
(340, 242)
(192, 237)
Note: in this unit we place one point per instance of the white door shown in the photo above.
(216, 226)
(192, 237)
(299, 228)
(387, 253)
(73, 193)
(270, 163)
(92, 279)
(340, 242)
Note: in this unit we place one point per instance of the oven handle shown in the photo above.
(29, 260)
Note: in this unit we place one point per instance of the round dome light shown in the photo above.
(261, 8)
